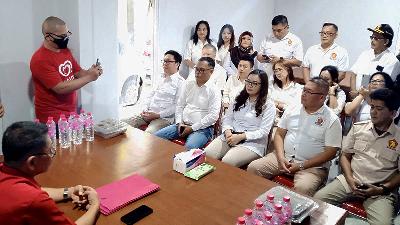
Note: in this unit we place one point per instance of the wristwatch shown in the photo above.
(65, 193)
(386, 190)
(301, 165)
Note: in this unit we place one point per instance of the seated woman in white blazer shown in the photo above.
(246, 125)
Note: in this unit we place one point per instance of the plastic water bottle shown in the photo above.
(36, 120)
(51, 126)
(269, 205)
(278, 217)
(240, 221)
(248, 216)
(71, 120)
(258, 211)
(268, 218)
(287, 208)
(258, 222)
(77, 130)
(82, 117)
(89, 124)
(64, 132)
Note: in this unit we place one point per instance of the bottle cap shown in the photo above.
(286, 199)
(278, 206)
(241, 220)
(50, 118)
(270, 197)
(248, 212)
(259, 203)
(267, 215)
(36, 120)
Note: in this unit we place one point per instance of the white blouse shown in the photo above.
(289, 95)
(256, 128)
(193, 51)
(222, 51)
(232, 88)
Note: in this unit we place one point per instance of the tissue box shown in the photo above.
(188, 160)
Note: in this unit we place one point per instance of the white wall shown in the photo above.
(353, 17)
(177, 18)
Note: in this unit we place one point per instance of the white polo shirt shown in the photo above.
(218, 77)
(289, 95)
(232, 88)
(316, 58)
(193, 51)
(367, 62)
(308, 134)
(288, 47)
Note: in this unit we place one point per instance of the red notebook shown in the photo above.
(120, 193)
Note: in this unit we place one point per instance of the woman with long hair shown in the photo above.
(200, 37)
(336, 98)
(245, 47)
(246, 125)
(226, 41)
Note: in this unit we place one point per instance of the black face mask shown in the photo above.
(62, 43)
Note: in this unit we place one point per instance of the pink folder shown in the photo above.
(120, 193)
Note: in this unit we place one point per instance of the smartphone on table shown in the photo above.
(136, 214)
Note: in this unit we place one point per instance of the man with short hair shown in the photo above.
(219, 74)
(56, 74)
(197, 110)
(370, 162)
(280, 45)
(378, 58)
(307, 138)
(160, 107)
(28, 153)
(325, 54)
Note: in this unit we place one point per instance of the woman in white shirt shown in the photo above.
(244, 48)
(235, 84)
(336, 98)
(359, 108)
(246, 126)
(226, 41)
(200, 38)
(284, 91)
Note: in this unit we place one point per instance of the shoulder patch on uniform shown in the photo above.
(362, 122)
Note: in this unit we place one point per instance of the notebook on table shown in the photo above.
(120, 193)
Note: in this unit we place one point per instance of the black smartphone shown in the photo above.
(181, 129)
(362, 186)
(266, 57)
(136, 214)
(98, 62)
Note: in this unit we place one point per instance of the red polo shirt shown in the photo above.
(22, 201)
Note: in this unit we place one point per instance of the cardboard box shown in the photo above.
(188, 160)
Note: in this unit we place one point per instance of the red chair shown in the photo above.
(355, 208)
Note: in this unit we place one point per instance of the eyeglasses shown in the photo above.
(251, 83)
(376, 38)
(62, 36)
(308, 92)
(51, 154)
(167, 61)
(329, 34)
(201, 70)
(377, 81)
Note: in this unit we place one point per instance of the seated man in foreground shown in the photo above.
(197, 109)
(307, 138)
(370, 162)
(27, 153)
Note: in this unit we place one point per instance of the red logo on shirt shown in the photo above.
(319, 121)
(333, 56)
(65, 69)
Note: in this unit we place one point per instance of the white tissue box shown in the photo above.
(188, 160)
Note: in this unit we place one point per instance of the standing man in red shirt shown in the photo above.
(28, 153)
(56, 74)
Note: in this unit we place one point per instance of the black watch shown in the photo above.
(65, 193)
(386, 190)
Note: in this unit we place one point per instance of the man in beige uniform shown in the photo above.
(369, 159)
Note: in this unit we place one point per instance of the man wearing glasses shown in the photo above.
(307, 138)
(378, 58)
(281, 44)
(159, 110)
(326, 53)
(56, 74)
(197, 110)
(28, 153)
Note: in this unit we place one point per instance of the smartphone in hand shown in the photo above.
(181, 129)
(362, 186)
(136, 214)
(98, 62)
(265, 57)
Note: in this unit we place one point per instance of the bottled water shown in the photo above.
(83, 117)
(287, 208)
(89, 124)
(269, 205)
(248, 216)
(258, 211)
(278, 217)
(258, 222)
(51, 126)
(71, 120)
(77, 130)
(240, 221)
(64, 132)
(267, 218)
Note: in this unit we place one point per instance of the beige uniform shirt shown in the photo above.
(375, 157)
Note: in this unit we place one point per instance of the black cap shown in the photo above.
(384, 29)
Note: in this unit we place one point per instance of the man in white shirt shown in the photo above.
(197, 110)
(325, 54)
(378, 58)
(160, 107)
(218, 77)
(281, 44)
(307, 138)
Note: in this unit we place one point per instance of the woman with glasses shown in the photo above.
(246, 125)
(226, 41)
(200, 38)
(336, 98)
(245, 48)
(359, 108)
(284, 91)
